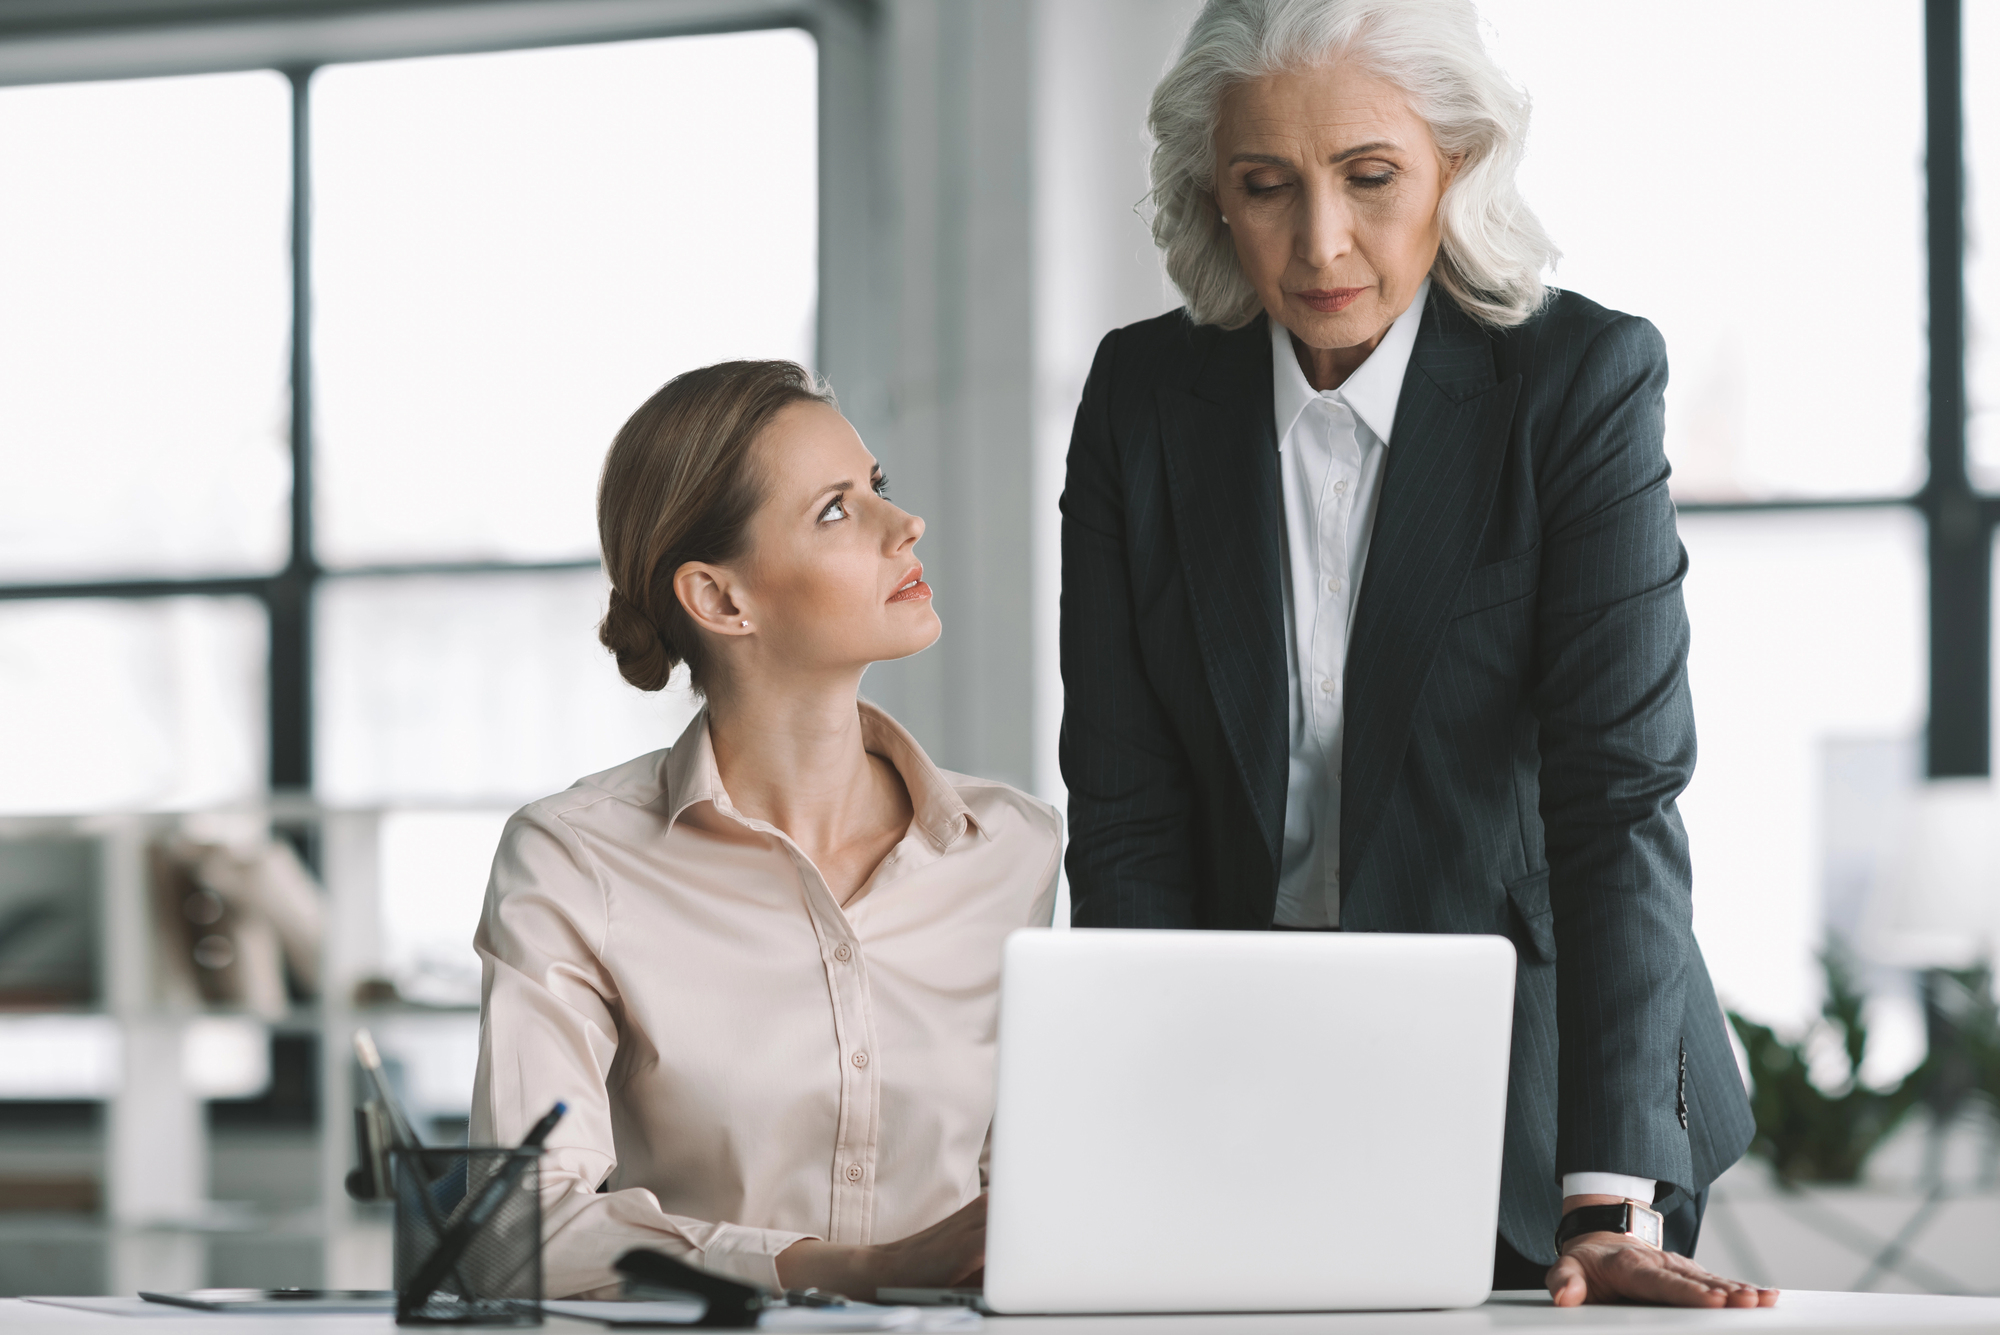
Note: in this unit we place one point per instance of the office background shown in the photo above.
(317, 315)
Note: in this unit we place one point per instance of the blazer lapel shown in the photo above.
(1438, 483)
(1221, 449)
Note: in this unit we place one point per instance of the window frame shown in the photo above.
(95, 39)
(1959, 522)
(100, 40)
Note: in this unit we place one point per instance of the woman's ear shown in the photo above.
(1452, 164)
(711, 598)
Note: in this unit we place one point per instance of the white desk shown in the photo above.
(1518, 1314)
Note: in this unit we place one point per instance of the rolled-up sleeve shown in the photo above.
(549, 1029)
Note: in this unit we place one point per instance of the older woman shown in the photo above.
(1369, 375)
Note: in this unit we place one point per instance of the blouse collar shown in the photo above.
(691, 776)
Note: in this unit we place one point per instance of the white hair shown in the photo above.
(1493, 247)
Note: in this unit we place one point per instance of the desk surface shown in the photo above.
(1515, 1313)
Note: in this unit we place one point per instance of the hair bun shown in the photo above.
(631, 635)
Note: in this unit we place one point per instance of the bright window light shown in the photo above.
(226, 1057)
(432, 1061)
(513, 250)
(145, 327)
(1808, 630)
(435, 865)
(1749, 177)
(463, 689)
(59, 1056)
(112, 704)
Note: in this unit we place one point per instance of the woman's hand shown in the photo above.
(1611, 1267)
(947, 1253)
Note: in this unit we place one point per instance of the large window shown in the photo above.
(305, 379)
(1778, 221)
(1762, 211)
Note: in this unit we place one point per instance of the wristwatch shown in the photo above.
(1628, 1217)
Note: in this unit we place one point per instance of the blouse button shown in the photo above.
(860, 1059)
(843, 952)
(854, 1172)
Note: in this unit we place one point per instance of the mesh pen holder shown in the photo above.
(496, 1279)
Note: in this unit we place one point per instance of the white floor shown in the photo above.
(1891, 1234)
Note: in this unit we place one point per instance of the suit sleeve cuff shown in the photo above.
(1609, 1184)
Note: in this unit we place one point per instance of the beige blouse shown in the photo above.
(746, 1062)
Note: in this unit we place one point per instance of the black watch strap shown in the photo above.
(1628, 1217)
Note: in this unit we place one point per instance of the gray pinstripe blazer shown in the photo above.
(1518, 718)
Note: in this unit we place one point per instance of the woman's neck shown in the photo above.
(1328, 368)
(794, 756)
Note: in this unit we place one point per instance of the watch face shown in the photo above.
(1644, 1224)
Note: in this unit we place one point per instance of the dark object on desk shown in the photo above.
(321, 1301)
(493, 1203)
(651, 1274)
(450, 1270)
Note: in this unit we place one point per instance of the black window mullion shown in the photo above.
(1957, 737)
(289, 596)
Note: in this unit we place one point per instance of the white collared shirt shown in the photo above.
(1332, 445)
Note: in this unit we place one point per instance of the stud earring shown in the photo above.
(746, 625)
(1225, 219)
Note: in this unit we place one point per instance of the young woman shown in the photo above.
(760, 967)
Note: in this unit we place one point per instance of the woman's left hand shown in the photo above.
(945, 1255)
(1611, 1267)
(949, 1253)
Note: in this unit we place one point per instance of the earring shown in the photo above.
(1225, 218)
(746, 625)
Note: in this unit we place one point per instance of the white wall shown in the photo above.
(1007, 240)
(947, 405)
(1095, 264)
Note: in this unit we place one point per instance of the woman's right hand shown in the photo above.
(947, 1253)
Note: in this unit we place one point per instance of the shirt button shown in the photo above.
(854, 1172)
(1327, 685)
(1340, 487)
(1333, 586)
(843, 952)
(860, 1059)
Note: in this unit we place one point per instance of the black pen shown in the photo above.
(460, 1235)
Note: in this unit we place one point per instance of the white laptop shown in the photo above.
(1247, 1121)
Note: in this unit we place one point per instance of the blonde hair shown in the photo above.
(1494, 248)
(679, 485)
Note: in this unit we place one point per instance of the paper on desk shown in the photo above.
(119, 1306)
(854, 1316)
(867, 1316)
